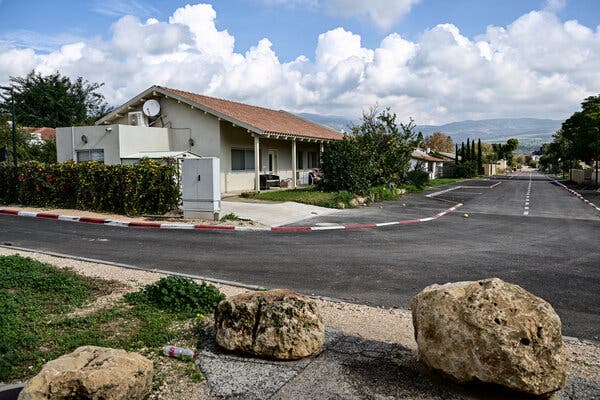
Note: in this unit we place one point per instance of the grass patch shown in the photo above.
(443, 181)
(308, 195)
(37, 324)
(230, 217)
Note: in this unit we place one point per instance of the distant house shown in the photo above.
(428, 163)
(248, 140)
(40, 135)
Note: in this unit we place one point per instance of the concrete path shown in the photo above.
(349, 368)
(274, 214)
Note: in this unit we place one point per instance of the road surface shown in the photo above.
(524, 229)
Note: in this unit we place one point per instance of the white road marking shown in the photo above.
(526, 208)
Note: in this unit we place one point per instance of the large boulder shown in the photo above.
(277, 324)
(94, 373)
(490, 331)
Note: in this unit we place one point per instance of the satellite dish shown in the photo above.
(151, 108)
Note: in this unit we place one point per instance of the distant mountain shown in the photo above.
(331, 121)
(531, 132)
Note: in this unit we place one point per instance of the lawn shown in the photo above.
(307, 195)
(48, 312)
(311, 195)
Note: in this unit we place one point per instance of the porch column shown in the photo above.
(321, 149)
(294, 183)
(256, 163)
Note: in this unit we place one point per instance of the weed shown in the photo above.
(180, 295)
(230, 217)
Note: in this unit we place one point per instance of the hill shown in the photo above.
(531, 132)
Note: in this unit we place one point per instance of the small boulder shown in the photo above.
(94, 373)
(277, 324)
(490, 331)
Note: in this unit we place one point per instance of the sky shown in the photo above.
(435, 61)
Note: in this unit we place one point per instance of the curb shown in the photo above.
(573, 192)
(200, 227)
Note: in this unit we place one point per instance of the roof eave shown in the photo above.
(152, 91)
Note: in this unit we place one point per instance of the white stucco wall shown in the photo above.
(134, 139)
(98, 138)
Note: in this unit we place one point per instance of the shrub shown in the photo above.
(345, 167)
(344, 197)
(382, 193)
(468, 169)
(418, 177)
(179, 294)
(149, 187)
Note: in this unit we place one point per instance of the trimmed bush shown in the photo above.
(146, 188)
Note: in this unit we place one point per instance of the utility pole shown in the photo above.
(597, 151)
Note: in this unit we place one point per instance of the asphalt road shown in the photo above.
(553, 251)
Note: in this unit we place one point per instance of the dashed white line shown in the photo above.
(526, 207)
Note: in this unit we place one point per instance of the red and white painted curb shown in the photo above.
(200, 227)
(573, 192)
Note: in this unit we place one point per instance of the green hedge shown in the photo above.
(147, 188)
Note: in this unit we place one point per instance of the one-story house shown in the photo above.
(432, 165)
(40, 135)
(248, 140)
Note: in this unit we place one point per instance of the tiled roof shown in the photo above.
(417, 155)
(45, 132)
(264, 119)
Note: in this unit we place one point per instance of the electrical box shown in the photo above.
(201, 187)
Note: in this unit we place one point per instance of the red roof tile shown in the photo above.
(267, 120)
(45, 132)
(425, 157)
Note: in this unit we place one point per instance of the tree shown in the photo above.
(419, 141)
(468, 151)
(26, 150)
(439, 142)
(473, 156)
(462, 152)
(456, 154)
(55, 100)
(479, 156)
(582, 130)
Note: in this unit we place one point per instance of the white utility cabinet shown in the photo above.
(201, 187)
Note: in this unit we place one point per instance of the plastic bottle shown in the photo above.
(178, 352)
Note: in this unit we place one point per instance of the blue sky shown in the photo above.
(358, 53)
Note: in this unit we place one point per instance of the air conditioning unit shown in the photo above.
(137, 118)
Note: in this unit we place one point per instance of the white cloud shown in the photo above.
(383, 13)
(537, 66)
(555, 6)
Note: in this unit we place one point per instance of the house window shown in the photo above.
(312, 159)
(299, 160)
(430, 166)
(90, 155)
(242, 160)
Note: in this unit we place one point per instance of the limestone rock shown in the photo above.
(278, 324)
(490, 331)
(94, 373)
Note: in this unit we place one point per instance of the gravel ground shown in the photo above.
(376, 324)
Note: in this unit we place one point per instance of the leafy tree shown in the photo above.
(55, 100)
(462, 153)
(473, 156)
(376, 153)
(419, 142)
(582, 131)
(439, 142)
(26, 150)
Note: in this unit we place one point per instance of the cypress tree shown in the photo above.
(479, 156)
(473, 158)
(468, 151)
(456, 154)
(462, 152)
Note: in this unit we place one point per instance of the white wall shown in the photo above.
(98, 138)
(134, 139)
